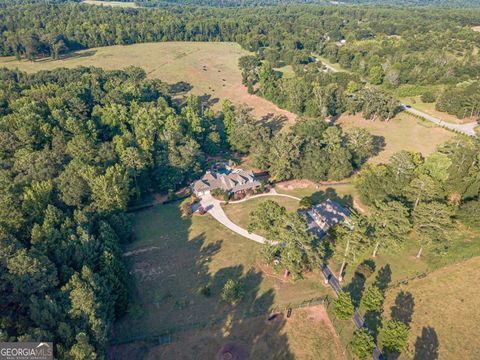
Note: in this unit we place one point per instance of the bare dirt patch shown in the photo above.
(295, 184)
(476, 28)
(307, 335)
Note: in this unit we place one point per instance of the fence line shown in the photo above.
(160, 338)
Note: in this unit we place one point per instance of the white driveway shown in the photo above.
(213, 207)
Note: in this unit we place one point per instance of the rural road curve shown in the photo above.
(467, 129)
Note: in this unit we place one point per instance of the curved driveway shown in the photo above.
(214, 207)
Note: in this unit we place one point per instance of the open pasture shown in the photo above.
(209, 69)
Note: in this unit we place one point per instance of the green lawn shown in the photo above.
(239, 213)
(173, 258)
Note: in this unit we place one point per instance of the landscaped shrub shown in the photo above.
(232, 292)
(220, 194)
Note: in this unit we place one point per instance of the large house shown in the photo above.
(324, 215)
(232, 182)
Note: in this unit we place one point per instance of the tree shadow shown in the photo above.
(403, 308)
(426, 345)
(373, 321)
(274, 122)
(176, 292)
(356, 288)
(68, 55)
(207, 100)
(330, 193)
(383, 278)
(378, 144)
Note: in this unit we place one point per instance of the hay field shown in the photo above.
(404, 132)
(210, 67)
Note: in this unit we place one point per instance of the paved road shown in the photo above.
(467, 129)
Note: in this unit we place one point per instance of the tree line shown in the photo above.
(388, 46)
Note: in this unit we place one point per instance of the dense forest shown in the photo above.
(441, 3)
(76, 146)
(314, 92)
(425, 196)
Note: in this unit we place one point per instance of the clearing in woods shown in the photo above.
(442, 311)
(209, 67)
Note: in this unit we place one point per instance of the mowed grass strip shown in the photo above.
(210, 67)
(445, 316)
(172, 259)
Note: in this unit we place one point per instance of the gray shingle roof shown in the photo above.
(235, 181)
(327, 214)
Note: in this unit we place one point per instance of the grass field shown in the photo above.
(442, 310)
(172, 259)
(307, 335)
(211, 68)
(110, 3)
(404, 132)
(239, 213)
